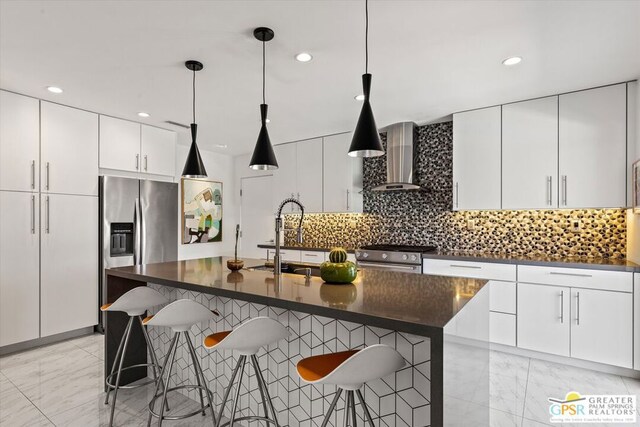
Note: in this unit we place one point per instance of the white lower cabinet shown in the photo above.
(19, 267)
(543, 318)
(502, 328)
(69, 263)
(285, 254)
(602, 326)
(317, 257)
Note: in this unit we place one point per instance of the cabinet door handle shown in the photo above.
(348, 198)
(33, 174)
(555, 273)
(33, 214)
(145, 162)
(577, 308)
(561, 306)
(475, 267)
(564, 190)
(550, 190)
(457, 191)
(47, 176)
(313, 255)
(46, 202)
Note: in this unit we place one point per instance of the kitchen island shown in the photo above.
(439, 324)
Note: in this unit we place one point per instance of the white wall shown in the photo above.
(220, 167)
(633, 221)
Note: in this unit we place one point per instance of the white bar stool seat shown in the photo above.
(350, 370)
(247, 339)
(180, 316)
(134, 303)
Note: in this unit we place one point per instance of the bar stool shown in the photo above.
(247, 339)
(350, 370)
(134, 303)
(180, 316)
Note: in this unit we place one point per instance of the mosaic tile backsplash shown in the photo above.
(426, 218)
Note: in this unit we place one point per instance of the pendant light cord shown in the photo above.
(263, 72)
(194, 96)
(366, 37)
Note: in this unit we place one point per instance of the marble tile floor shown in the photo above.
(61, 385)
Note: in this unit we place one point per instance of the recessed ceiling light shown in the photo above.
(143, 114)
(512, 60)
(221, 145)
(54, 89)
(304, 57)
(359, 97)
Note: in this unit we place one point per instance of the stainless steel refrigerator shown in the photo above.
(138, 224)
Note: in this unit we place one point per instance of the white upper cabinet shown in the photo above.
(309, 174)
(119, 144)
(530, 154)
(284, 178)
(476, 159)
(342, 177)
(69, 150)
(633, 122)
(19, 142)
(592, 148)
(158, 151)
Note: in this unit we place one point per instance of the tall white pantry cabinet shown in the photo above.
(48, 218)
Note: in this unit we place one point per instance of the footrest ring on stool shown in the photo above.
(110, 377)
(249, 418)
(179, 417)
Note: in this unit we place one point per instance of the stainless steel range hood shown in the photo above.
(400, 159)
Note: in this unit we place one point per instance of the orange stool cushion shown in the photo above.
(146, 319)
(214, 339)
(316, 367)
(105, 306)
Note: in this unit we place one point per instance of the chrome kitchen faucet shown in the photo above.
(276, 259)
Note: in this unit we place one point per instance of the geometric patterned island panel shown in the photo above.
(401, 399)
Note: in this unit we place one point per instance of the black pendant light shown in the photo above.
(366, 139)
(194, 167)
(263, 156)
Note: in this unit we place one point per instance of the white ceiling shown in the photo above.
(428, 58)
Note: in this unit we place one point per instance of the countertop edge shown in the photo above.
(539, 263)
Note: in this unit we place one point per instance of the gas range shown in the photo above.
(394, 257)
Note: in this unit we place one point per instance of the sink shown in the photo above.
(291, 268)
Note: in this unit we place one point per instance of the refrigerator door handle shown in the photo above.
(141, 238)
(136, 233)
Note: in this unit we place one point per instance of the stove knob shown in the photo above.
(413, 257)
(365, 255)
(357, 254)
(384, 256)
(405, 257)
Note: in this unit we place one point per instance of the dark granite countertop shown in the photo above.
(611, 264)
(300, 248)
(414, 303)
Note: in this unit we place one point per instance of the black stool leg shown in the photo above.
(332, 407)
(228, 390)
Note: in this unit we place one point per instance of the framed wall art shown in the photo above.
(201, 211)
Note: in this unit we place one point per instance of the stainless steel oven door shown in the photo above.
(404, 268)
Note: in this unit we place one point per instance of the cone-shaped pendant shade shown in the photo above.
(194, 167)
(263, 156)
(366, 139)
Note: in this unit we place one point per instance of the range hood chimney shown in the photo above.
(400, 159)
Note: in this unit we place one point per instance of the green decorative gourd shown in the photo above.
(338, 269)
(338, 255)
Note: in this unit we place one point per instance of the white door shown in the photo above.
(69, 150)
(342, 176)
(544, 318)
(476, 159)
(592, 148)
(158, 151)
(530, 154)
(602, 326)
(119, 144)
(284, 178)
(19, 267)
(69, 263)
(19, 142)
(309, 174)
(257, 220)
